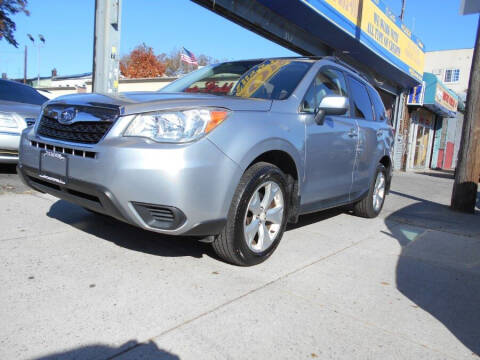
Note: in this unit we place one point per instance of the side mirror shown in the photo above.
(331, 105)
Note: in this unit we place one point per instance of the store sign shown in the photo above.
(416, 95)
(376, 27)
(438, 98)
(445, 99)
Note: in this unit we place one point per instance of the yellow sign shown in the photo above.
(384, 29)
(258, 76)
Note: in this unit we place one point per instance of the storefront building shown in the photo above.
(432, 130)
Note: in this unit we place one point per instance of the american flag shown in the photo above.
(188, 57)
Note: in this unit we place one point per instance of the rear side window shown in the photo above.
(328, 81)
(10, 91)
(362, 107)
(380, 112)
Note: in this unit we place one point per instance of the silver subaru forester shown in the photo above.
(229, 153)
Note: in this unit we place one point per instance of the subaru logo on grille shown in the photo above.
(67, 116)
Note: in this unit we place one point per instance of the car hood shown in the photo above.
(136, 102)
(22, 109)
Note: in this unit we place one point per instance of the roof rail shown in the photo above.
(348, 66)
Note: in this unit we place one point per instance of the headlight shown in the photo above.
(176, 126)
(8, 122)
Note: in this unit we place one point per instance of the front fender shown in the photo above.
(247, 135)
(272, 145)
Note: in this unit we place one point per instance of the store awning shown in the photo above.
(435, 96)
(365, 31)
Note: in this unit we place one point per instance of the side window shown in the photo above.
(327, 82)
(379, 107)
(362, 107)
(308, 103)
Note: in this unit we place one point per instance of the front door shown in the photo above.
(330, 147)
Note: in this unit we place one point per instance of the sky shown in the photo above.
(166, 25)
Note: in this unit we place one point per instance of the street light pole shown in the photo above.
(25, 66)
(38, 46)
(38, 65)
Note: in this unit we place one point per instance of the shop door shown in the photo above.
(421, 146)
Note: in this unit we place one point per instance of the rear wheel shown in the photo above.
(257, 217)
(371, 205)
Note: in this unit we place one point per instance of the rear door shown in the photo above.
(330, 148)
(369, 150)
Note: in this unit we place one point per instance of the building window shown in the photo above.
(452, 75)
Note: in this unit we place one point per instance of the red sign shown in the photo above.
(444, 98)
(211, 87)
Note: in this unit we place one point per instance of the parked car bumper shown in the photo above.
(9, 143)
(166, 188)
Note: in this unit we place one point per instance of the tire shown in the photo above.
(242, 242)
(366, 207)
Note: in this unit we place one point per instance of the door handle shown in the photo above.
(352, 132)
(379, 132)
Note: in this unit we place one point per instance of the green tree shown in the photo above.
(7, 26)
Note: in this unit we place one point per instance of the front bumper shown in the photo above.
(120, 175)
(9, 143)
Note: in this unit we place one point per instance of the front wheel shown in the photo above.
(371, 205)
(257, 217)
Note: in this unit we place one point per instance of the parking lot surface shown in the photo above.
(75, 285)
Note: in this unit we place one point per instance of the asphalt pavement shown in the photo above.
(75, 285)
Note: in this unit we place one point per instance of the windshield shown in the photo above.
(11, 91)
(270, 79)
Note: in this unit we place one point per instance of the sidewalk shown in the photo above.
(405, 285)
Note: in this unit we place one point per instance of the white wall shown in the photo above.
(73, 82)
(124, 85)
(437, 62)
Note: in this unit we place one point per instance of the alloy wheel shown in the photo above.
(264, 216)
(379, 192)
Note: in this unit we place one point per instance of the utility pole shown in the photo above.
(402, 13)
(25, 66)
(106, 45)
(465, 188)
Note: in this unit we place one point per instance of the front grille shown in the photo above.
(161, 214)
(89, 124)
(161, 217)
(85, 132)
(64, 150)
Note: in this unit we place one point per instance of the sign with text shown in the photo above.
(416, 95)
(445, 99)
(376, 27)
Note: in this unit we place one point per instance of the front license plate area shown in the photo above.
(53, 167)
